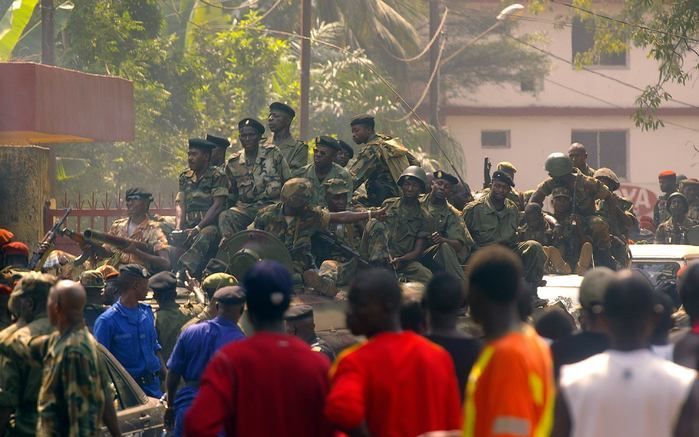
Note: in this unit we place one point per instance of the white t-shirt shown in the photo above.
(663, 351)
(617, 394)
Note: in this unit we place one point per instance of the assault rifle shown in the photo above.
(90, 248)
(487, 181)
(342, 247)
(35, 263)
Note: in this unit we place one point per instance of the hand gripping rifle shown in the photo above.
(89, 248)
(95, 237)
(36, 262)
(487, 181)
(342, 247)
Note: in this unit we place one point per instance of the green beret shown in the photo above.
(252, 123)
(327, 142)
(138, 192)
(298, 312)
(218, 280)
(297, 187)
(347, 148)
(218, 141)
(336, 186)
(501, 176)
(91, 279)
(198, 143)
(439, 174)
(507, 167)
(163, 281)
(231, 295)
(133, 270)
(364, 119)
(283, 107)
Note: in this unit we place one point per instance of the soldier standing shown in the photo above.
(169, 317)
(343, 156)
(323, 168)
(279, 122)
(255, 178)
(451, 243)
(668, 184)
(20, 382)
(299, 322)
(493, 219)
(690, 189)
(93, 283)
(578, 156)
(76, 395)
(200, 199)
(674, 230)
(380, 162)
(218, 153)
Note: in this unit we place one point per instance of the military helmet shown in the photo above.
(414, 171)
(558, 164)
(680, 196)
(605, 172)
(299, 187)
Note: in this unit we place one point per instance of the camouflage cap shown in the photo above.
(91, 279)
(218, 280)
(608, 173)
(560, 192)
(35, 285)
(297, 187)
(336, 186)
(507, 167)
(107, 271)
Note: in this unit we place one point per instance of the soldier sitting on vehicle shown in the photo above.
(539, 227)
(620, 217)
(675, 229)
(570, 249)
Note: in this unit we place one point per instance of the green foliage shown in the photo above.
(12, 24)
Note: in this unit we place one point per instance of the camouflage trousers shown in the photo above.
(238, 218)
(443, 257)
(534, 260)
(338, 272)
(196, 256)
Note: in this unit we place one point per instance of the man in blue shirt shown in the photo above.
(127, 329)
(193, 350)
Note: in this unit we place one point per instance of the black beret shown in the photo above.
(327, 142)
(439, 174)
(252, 123)
(231, 295)
(503, 177)
(365, 119)
(347, 148)
(283, 107)
(133, 270)
(198, 143)
(138, 192)
(298, 312)
(218, 141)
(163, 281)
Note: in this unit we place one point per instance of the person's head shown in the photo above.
(561, 201)
(507, 167)
(494, 282)
(336, 192)
(677, 205)
(280, 116)
(555, 323)
(296, 195)
(93, 283)
(608, 178)
(558, 166)
(218, 153)
(362, 128)
(664, 323)
(343, 156)
(269, 287)
(444, 297)
(298, 321)
(111, 291)
(460, 196)
(325, 151)
(413, 182)
(199, 154)
(374, 301)
(66, 302)
(164, 286)
(533, 215)
(133, 282)
(629, 310)
(137, 201)
(668, 181)
(230, 302)
(15, 254)
(216, 281)
(442, 184)
(28, 299)
(690, 188)
(689, 291)
(591, 297)
(412, 311)
(250, 133)
(578, 155)
(500, 186)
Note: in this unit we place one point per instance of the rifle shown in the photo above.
(38, 256)
(90, 248)
(486, 172)
(96, 237)
(342, 247)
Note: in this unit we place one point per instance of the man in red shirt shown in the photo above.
(397, 383)
(270, 384)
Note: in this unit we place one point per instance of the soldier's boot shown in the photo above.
(319, 282)
(585, 259)
(556, 260)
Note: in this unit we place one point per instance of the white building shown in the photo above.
(505, 123)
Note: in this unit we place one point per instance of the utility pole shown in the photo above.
(434, 57)
(48, 55)
(305, 67)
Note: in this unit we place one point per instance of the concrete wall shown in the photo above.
(24, 187)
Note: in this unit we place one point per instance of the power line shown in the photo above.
(429, 44)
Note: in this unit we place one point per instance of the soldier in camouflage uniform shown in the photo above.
(578, 156)
(19, 382)
(255, 177)
(210, 284)
(93, 283)
(674, 230)
(323, 168)
(170, 316)
(218, 153)
(200, 199)
(540, 227)
(690, 189)
(379, 163)
(493, 219)
(668, 184)
(76, 396)
(346, 153)
(299, 322)
(620, 217)
(573, 247)
(515, 196)
(294, 221)
(404, 234)
(294, 151)
(450, 243)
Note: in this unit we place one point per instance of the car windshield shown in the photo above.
(658, 271)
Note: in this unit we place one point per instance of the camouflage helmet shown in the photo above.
(416, 172)
(92, 280)
(560, 192)
(297, 187)
(678, 195)
(605, 172)
(336, 186)
(558, 164)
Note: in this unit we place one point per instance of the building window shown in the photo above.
(495, 139)
(605, 148)
(583, 39)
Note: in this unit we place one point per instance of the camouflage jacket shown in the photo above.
(448, 221)
(74, 387)
(584, 191)
(693, 212)
(169, 319)
(336, 172)
(295, 152)
(490, 226)
(197, 194)
(660, 212)
(542, 235)
(670, 232)
(148, 231)
(588, 171)
(405, 224)
(260, 182)
(620, 217)
(349, 233)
